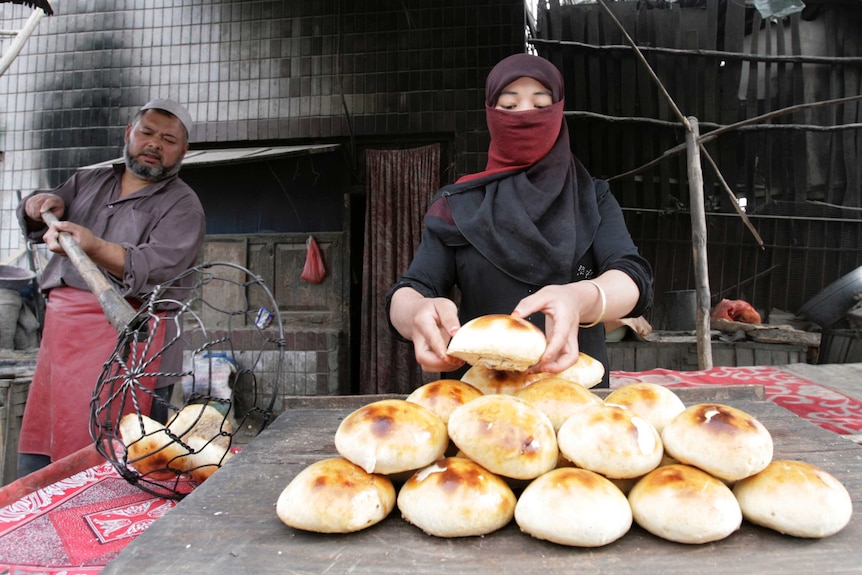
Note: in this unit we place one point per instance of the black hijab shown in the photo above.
(533, 212)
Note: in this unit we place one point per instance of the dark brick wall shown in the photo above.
(361, 73)
(251, 70)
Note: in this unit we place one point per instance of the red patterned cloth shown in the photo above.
(76, 525)
(828, 408)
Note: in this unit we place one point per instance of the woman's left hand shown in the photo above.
(561, 306)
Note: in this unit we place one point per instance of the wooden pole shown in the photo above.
(20, 39)
(698, 244)
(119, 312)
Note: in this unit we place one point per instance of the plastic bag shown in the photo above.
(209, 377)
(314, 271)
(735, 310)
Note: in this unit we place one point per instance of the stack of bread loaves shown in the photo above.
(195, 442)
(501, 348)
(567, 466)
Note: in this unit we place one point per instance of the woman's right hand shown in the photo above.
(429, 323)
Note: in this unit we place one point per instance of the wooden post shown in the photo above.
(20, 39)
(698, 245)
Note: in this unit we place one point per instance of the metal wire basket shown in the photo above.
(221, 346)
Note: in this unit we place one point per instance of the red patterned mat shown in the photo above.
(828, 408)
(76, 525)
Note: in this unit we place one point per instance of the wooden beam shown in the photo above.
(19, 41)
(698, 242)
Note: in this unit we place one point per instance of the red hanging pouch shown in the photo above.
(314, 271)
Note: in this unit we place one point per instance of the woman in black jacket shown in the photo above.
(534, 235)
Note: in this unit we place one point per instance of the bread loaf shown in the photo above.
(795, 498)
(500, 381)
(202, 421)
(572, 506)
(587, 371)
(443, 396)
(335, 496)
(207, 432)
(611, 440)
(456, 497)
(150, 449)
(684, 504)
(722, 440)
(558, 398)
(391, 436)
(506, 435)
(196, 442)
(499, 341)
(655, 403)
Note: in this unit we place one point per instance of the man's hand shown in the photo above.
(37, 204)
(82, 236)
(110, 256)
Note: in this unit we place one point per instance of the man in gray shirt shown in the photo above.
(143, 226)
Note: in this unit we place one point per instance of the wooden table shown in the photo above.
(229, 524)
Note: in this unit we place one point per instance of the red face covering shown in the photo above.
(534, 202)
(520, 139)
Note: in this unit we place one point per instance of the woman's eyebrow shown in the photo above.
(536, 93)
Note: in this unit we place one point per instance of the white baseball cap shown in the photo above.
(172, 107)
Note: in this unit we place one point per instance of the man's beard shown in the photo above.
(149, 173)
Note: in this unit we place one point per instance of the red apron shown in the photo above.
(77, 341)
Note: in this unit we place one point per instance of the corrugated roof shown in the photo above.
(221, 156)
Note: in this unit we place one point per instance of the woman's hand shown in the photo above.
(567, 306)
(429, 323)
(562, 305)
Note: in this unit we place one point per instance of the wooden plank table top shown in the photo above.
(229, 525)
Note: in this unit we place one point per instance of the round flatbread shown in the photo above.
(391, 436)
(208, 433)
(572, 506)
(202, 421)
(587, 371)
(150, 449)
(684, 504)
(335, 496)
(655, 403)
(558, 398)
(722, 440)
(490, 381)
(611, 440)
(506, 435)
(795, 498)
(456, 497)
(443, 396)
(499, 341)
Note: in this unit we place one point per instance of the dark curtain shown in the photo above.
(399, 186)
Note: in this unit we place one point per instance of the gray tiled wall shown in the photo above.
(358, 73)
(249, 70)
